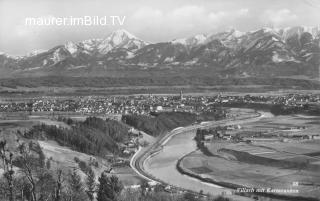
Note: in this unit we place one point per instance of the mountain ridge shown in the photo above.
(287, 51)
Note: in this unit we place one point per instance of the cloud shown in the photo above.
(217, 16)
(190, 18)
(147, 13)
(183, 14)
(279, 17)
(187, 11)
(243, 11)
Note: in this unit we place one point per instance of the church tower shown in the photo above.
(181, 95)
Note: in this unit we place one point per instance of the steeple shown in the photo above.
(181, 95)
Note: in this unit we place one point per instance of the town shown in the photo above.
(144, 104)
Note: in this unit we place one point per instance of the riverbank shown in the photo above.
(185, 171)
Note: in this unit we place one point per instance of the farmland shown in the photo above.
(279, 152)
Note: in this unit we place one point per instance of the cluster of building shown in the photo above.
(289, 99)
(144, 104)
(109, 105)
(236, 133)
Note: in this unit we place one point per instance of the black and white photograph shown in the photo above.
(149, 100)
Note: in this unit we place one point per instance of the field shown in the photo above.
(274, 159)
(285, 148)
(252, 175)
(287, 124)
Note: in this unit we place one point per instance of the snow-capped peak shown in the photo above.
(123, 32)
(71, 47)
(289, 31)
(265, 30)
(194, 40)
(120, 39)
(35, 52)
(90, 44)
(268, 29)
(120, 36)
(10, 56)
(237, 33)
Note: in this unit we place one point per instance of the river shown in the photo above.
(163, 164)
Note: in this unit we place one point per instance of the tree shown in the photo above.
(28, 165)
(189, 197)
(90, 183)
(48, 164)
(76, 189)
(22, 188)
(109, 188)
(45, 185)
(35, 182)
(7, 158)
(57, 191)
(144, 188)
(159, 188)
(201, 192)
(220, 198)
(42, 157)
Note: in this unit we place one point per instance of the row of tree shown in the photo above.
(307, 109)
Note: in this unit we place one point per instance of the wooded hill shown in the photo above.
(163, 122)
(93, 136)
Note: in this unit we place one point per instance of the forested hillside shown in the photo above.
(161, 123)
(93, 136)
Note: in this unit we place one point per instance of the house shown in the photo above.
(208, 137)
(153, 183)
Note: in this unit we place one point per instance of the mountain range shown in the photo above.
(265, 52)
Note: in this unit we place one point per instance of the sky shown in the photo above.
(150, 20)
